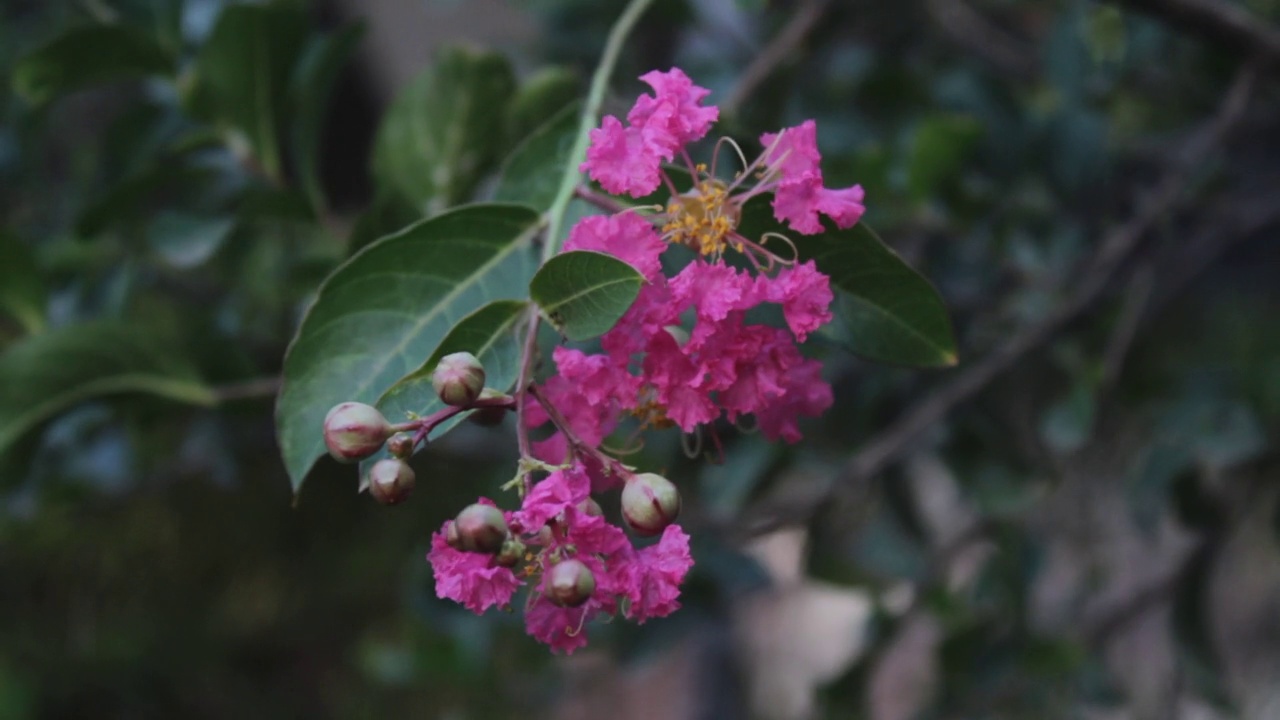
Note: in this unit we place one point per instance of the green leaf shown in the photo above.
(384, 311)
(186, 241)
(529, 174)
(48, 373)
(540, 99)
(313, 80)
(885, 311)
(584, 293)
(242, 76)
(445, 130)
(22, 291)
(87, 55)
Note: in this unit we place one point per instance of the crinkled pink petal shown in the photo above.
(626, 236)
(676, 379)
(714, 290)
(621, 160)
(599, 379)
(806, 395)
(674, 114)
(844, 206)
(551, 495)
(795, 202)
(805, 295)
(564, 629)
(591, 422)
(553, 451)
(654, 577)
(793, 151)
(652, 311)
(471, 579)
(594, 535)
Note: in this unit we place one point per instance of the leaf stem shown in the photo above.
(556, 213)
(595, 98)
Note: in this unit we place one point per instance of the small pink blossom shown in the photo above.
(654, 577)
(627, 159)
(562, 628)
(805, 295)
(472, 579)
(621, 160)
(673, 116)
(800, 194)
(551, 495)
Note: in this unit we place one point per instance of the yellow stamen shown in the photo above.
(703, 218)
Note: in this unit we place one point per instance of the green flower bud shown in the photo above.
(591, 507)
(391, 481)
(400, 445)
(569, 583)
(650, 503)
(481, 528)
(458, 379)
(353, 431)
(512, 553)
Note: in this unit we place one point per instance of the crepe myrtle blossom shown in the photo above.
(576, 565)
(687, 354)
(654, 365)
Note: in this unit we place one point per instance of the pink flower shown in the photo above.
(550, 496)
(800, 194)
(805, 296)
(621, 160)
(626, 236)
(654, 577)
(804, 394)
(628, 159)
(472, 579)
(673, 117)
(562, 628)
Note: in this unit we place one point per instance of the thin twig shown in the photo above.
(970, 30)
(247, 389)
(1126, 327)
(781, 48)
(1227, 24)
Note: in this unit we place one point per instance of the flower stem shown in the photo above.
(595, 98)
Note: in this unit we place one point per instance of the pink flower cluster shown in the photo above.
(556, 524)
(684, 355)
(651, 367)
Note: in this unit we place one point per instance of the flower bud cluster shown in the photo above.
(577, 564)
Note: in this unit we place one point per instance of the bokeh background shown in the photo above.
(1079, 520)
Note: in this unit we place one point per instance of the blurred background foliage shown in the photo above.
(1078, 521)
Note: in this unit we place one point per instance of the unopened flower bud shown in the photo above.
(391, 481)
(481, 528)
(677, 333)
(650, 503)
(488, 416)
(354, 431)
(569, 583)
(400, 445)
(458, 379)
(512, 552)
(590, 507)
